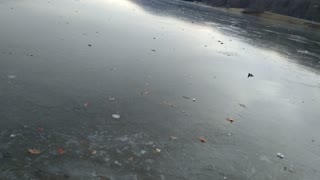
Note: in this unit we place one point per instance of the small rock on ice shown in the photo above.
(280, 155)
(117, 163)
(116, 116)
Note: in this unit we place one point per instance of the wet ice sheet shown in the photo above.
(55, 93)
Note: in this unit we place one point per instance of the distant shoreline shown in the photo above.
(277, 17)
(268, 15)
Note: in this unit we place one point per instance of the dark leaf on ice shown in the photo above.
(202, 139)
(230, 119)
(186, 97)
(242, 105)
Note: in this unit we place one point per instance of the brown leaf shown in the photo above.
(61, 151)
(202, 139)
(230, 119)
(34, 151)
